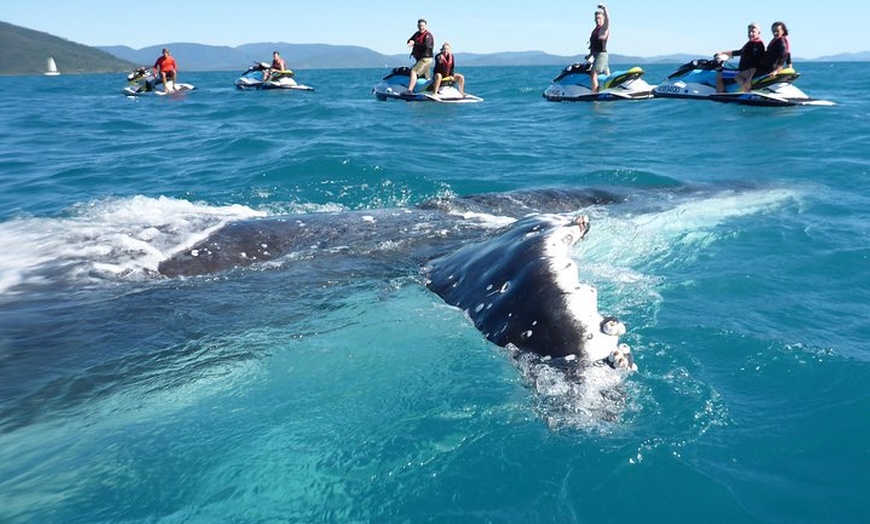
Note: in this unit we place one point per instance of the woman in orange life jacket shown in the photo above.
(444, 68)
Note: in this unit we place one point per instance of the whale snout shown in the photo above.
(621, 358)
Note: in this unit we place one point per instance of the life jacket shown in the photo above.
(166, 64)
(596, 44)
(445, 65)
(421, 48)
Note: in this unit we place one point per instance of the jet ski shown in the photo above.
(141, 81)
(697, 80)
(574, 84)
(394, 86)
(253, 79)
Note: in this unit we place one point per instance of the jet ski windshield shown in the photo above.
(702, 63)
(574, 69)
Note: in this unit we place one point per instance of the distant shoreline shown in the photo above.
(32, 49)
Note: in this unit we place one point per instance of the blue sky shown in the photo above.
(561, 27)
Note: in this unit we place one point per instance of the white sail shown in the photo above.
(52, 68)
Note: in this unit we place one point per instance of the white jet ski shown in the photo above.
(574, 84)
(253, 79)
(697, 80)
(394, 86)
(141, 81)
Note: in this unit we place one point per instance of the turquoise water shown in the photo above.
(335, 388)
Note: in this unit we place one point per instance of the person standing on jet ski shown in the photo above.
(598, 46)
(422, 44)
(778, 54)
(751, 55)
(444, 68)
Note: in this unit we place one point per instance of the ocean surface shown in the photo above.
(331, 386)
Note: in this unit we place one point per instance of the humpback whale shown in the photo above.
(520, 288)
(518, 283)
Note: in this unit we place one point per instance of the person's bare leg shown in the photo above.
(436, 84)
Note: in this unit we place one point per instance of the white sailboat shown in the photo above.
(51, 69)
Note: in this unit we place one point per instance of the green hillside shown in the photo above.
(25, 52)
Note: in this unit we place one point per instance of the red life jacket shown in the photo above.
(421, 39)
(445, 65)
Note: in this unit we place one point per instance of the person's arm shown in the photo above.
(736, 52)
(606, 26)
(781, 56)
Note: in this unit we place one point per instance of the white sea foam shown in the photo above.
(692, 224)
(106, 239)
(590, 401)
(623, 253)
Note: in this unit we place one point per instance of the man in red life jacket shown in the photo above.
(444, 68)
(168, 71)
(422, 44)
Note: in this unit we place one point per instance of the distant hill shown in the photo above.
(30, 50)
(198, 57)
(846, 57)
(25, 52)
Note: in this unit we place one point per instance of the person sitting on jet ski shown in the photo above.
(278, 64)
(444, 68)
(778, 54)
(168, 70)
(751, 55)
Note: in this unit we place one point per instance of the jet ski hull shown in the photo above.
(252, 79)
(179, 88)
(258, 85)
(575, 85)
(697, 80)
(394, 86)
(142, 82)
